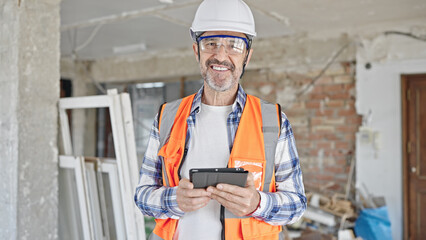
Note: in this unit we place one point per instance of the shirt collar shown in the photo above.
(237, 106)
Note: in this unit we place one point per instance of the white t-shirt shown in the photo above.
(208, 148)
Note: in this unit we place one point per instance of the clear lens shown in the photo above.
(232, 45)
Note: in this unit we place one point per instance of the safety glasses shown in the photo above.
(233, 45)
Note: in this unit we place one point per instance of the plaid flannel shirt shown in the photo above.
(284, 206)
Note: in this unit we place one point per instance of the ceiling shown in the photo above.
(98, 29)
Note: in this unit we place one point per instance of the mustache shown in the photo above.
(224, 63)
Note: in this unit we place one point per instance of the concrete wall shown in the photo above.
(379, 164)
(29, 91)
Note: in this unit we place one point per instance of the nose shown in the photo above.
(222, 53)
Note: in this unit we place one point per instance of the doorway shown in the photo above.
(414, 155)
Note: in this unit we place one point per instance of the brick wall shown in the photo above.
(324, 119)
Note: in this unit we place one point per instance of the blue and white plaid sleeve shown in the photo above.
(288, 203)
(151, 197)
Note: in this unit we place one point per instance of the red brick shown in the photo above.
(298, 105)
(311, 183)
(325, 80)
(350, 137)
(342, 178)
(347, 128)
(318, 89)
(324, 177)
(321, 129)
(356, 120)
(324, 112)
(314, 136)
(347, 170)
(304, 152)
(334, 170)
(299, 136)
(342, 145)
(304, 144)
(335, 103)
(350, 102)
(312, 104)
(346, 112)
(324, 145)
(349, 86)
(334, 120)
(333, 88)
(313, 152)
(330, 137)
(341, 161)
(312, 170)
(299, 122)
(348, 66)
(333, 153)
(295, 112)
(343, 79)
(340, 95)
(337, 188)
(316, 121)
(318, 96)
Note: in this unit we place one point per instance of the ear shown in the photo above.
(195, 48)
(249, 56)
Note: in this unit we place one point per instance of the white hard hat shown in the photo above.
(223, 15)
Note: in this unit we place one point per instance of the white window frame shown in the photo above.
(125, 150)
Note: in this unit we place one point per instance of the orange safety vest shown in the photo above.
(248, 152)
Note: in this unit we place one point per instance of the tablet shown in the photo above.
(204, 177)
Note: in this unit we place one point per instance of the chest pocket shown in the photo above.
(256, 167)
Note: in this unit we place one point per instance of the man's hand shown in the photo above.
(190, 199)
(240, 201)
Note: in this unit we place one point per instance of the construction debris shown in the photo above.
(333, 216)
(310, 234)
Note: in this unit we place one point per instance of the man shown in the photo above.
(221, 126)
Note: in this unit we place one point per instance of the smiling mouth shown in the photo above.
(219, 68)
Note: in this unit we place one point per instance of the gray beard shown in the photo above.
(208, 78)
(210, 81)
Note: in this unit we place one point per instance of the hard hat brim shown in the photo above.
(225, 26)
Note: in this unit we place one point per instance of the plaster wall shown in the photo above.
(379, 164)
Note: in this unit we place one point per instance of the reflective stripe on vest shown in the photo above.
(254, 149)
(270, 128)
(165, 123)
(173, 141)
